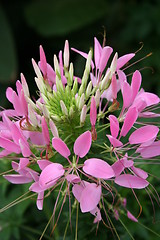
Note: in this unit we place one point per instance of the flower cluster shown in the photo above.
(77, 137)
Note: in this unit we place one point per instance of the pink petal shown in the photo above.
(118, 167)
(149, 98)
(43, 163)
(131, 217)
(105, 54)
(9, 145)
(96, 212)
(35, 187)
(51, 174)
(130, 181)
(122, 78)
(17, 179)
(124, 59)
(114, 126)
(4, 153)
(45, 131)
(40, 199)
(90, 197)
(77, 191)
(51, 75)
(98, 168)
(72, 178)
(129, 120)
(85, 55)
(114, 87)
(93, 111)
(9, 94)
(115, 142)
(139, 172)
(97, 52)
(26, 152)
(83, 144)
(23, 162)
(43, 62)
(17, 104)
(143, 134)
(127, 94)
(136, 83)
(151, 151)
(60, 147)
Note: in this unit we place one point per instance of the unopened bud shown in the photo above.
(71, 111)
(66, 54)
(70, 76)
(32, 116)
(77, 98)
(81, 102)
(36, 69)
(75, 86)
(63, 107)
(33, 105)
(59, 85)
(53, 128)
(114, 64)
(40, 84)
(56, 118)
(105, 81)
(24, 85)
(45, 112)
(56, 64)
(97, 97)
(83, 114)
(88, 90)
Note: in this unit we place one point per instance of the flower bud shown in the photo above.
(24, 85)
(32, 116)
(63, 107)
(81, 102)
(66, 54)
(83, 114)
(88, 90)
(36, 69)
(97, 97)
(114, 63)
(53, 128)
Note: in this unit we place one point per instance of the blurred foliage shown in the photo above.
(26, 24)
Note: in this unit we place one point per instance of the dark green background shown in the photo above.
(26, 24)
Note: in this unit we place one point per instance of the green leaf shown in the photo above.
(62, 17)
(8, 60)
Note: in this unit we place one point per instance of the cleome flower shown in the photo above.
(77, 141)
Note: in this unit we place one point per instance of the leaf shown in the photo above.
(8, 59)
(62, 17)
